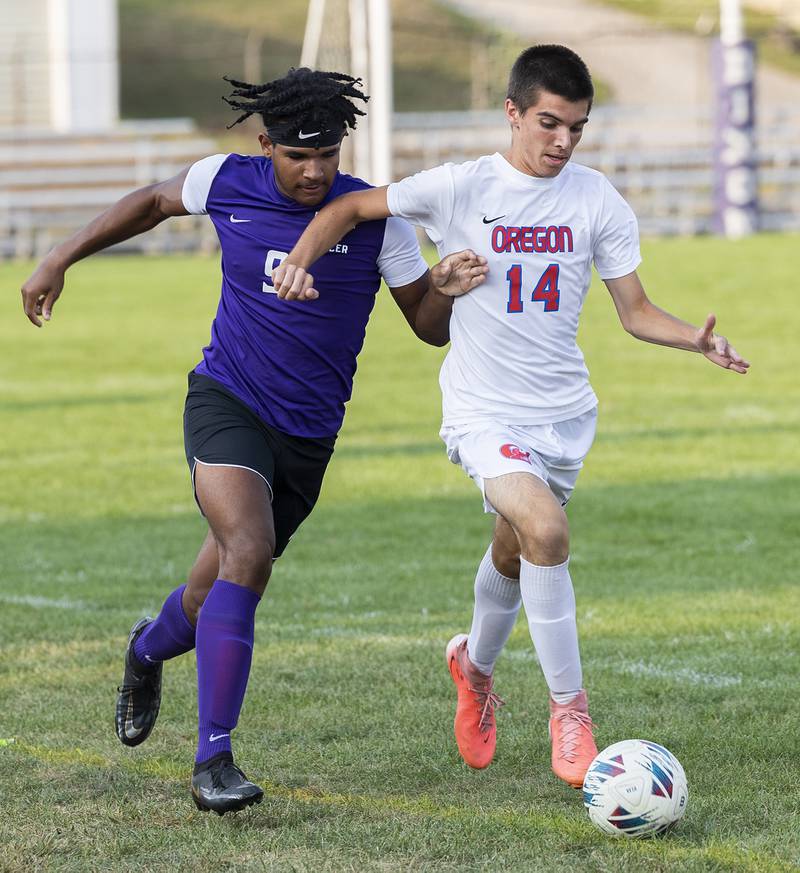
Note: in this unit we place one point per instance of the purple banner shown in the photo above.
(735, 159)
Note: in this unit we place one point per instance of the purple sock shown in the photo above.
(224, 653)
(169, 635)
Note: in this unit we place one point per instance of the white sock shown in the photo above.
(550, 607)
(497, 602)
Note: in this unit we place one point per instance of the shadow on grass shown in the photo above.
(701, 535)
(680, 433)
(72, 402)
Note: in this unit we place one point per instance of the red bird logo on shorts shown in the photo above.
(509, 450)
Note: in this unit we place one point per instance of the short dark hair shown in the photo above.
(553, 68)
(302, 97)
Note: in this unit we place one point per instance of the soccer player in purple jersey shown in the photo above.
(265, 404)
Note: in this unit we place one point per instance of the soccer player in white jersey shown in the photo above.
(519, 412)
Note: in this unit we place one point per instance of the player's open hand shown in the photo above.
(458, 273)
(293, 283)
(717, 348)
(40, 292)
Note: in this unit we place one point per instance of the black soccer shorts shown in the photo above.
(219, 429)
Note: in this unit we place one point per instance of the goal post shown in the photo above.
(380, 84)
(355, 37)
(313, 33)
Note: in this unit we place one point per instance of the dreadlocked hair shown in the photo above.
(302, 97)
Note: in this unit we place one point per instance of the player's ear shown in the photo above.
(266, 145)
(513, 114)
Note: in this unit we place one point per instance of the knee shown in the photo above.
(247, 560)
(545, 539)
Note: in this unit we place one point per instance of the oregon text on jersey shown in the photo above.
(532, 239)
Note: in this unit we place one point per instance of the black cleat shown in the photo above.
(139, 696)
(219, 785)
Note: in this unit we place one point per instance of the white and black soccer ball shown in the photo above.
(635, 788)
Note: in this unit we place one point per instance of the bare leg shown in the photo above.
(201, 577)
(236, 503)
(540, 525)
(531, 510)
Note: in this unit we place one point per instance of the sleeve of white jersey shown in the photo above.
(616, 245)
(400, 261)
(198, 181)
(427, 199)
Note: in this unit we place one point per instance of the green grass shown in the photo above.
(684, 527)
(776, 43)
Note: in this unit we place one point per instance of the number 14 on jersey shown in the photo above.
(545, 290)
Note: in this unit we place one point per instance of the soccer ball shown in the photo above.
(635, 788)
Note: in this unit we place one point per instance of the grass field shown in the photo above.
(685, 528)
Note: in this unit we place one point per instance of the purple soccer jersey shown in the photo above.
(291, 362)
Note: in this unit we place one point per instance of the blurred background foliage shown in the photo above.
(174, 55)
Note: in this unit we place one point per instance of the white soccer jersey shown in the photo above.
(513, 356)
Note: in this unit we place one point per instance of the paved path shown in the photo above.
(643, 64)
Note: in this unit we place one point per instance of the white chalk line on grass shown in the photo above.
(683, 675)
(44, 602)
(680, 674)
(38, 602)
(686, 675)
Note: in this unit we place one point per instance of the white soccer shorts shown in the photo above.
(553, 452)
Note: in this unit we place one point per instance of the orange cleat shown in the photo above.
(574, 748)
(476, 734)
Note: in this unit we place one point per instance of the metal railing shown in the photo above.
(660, 161)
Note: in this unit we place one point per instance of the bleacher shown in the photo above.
(51, 184)
(661, 161)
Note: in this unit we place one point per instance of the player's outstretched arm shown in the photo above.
(291, 278)
(428, 302)
(648, 322)
(137, 212)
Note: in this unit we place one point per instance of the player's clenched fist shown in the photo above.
(293, 283)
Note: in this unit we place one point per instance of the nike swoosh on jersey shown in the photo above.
(490, 220)
(131, 731)
(214, 737)
(302, 135)
(239, 220)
